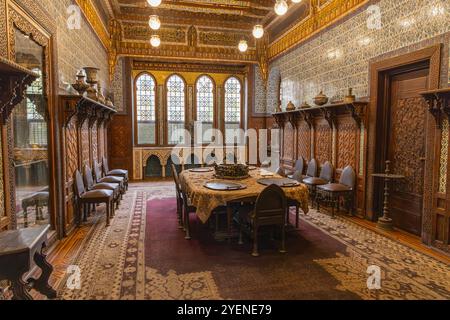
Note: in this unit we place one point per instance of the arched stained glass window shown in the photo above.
(205, 107)
(146, 109)
(233, 104)
(176, 102)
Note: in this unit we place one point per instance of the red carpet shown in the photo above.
(236, 273)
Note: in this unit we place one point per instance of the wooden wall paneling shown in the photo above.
(323, 141)
(304, 140)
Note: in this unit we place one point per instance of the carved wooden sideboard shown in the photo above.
(335, 133)
(84, 142)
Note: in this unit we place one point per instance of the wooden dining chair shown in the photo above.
(188, 208)
(115, 173)
(180, 204)
(98, 178)
(85, 198)
(269, 210)
(332, 192)
(298, 170)
(311, 170)
(325, 177)
(90, 185)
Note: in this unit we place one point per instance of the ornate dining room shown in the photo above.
(233, 150)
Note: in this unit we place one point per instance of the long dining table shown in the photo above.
(206, 200)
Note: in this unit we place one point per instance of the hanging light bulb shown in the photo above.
(296, 1)
(154, 22)
(155, 41)
(243, 46)
(258, 31)
(281, 7)
(154, 3)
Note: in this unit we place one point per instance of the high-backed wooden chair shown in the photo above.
(98, 178)
(269, 210)
(298, 170)
(188, 208)
(176, 179)
(90, 185)
(331, 193)
(311, 170)
(116, 172)
(325, 177)
(281, 172)
(86, 198)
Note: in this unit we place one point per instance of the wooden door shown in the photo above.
(406, 147)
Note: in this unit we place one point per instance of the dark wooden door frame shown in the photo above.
(432, 55)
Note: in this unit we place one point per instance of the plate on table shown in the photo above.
(201, 170)
(252, 168)
(281, 182)
(224, 186)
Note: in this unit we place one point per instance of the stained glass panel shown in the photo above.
(146, 109)
(233, 103)
(176, 109)
(205, 107)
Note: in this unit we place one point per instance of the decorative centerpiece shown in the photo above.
(80, 85)
(290, 106)
(231, 171)
(109, 103)
(350, 98)
(91, 93)
(321, 99)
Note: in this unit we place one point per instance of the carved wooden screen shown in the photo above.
(205, 107)
(176, 103)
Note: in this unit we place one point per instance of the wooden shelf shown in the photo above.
(14, 80)
(85, 109)
(357, 109)
(438, 103)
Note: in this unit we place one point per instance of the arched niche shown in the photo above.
(153, 168)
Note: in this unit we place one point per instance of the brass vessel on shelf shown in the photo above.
(350, 98)
(290, 106)
(305, 105)
(80, 85)
(321, 99)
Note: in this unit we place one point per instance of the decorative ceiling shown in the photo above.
(210, 30)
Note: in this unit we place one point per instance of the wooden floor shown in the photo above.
(63, 253)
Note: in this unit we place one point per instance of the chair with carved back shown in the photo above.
(115, 173)
(188, 208)
(331, 193)
(99, 178)
(311, 170)
(180, 204)
(85, 198)
(325, 177)
(269, 210)
(91, 185)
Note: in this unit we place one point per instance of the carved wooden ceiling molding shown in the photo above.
(189, 67)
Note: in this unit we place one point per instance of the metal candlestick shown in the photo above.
(385, 222)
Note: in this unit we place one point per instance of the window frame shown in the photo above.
(136, 127)
(215, 102)
(242, 117)
(166, 107)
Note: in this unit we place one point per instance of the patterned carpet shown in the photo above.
(144, 256)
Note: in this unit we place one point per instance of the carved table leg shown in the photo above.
(41, 284)
(19, 289)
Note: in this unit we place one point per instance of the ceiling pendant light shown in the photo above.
(258, 31)
(281, 7)
(154, 22)
(155, 41)
(243, 46)
(154, 3)
(296, 1)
